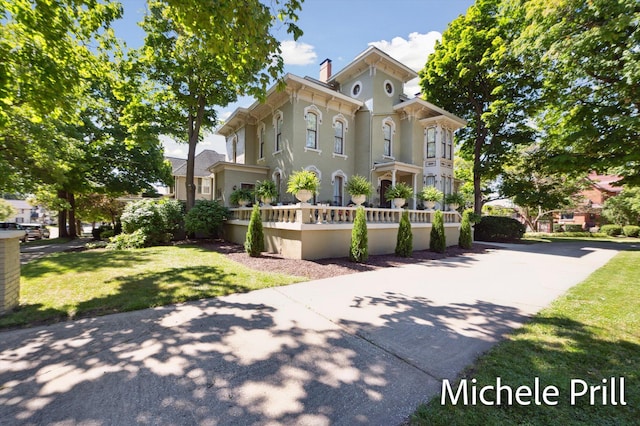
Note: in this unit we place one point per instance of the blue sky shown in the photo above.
(338, 30)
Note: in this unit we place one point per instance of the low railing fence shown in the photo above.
(325, 214)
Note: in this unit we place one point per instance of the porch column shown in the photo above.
(415, 188)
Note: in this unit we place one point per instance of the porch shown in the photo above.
(305, 231)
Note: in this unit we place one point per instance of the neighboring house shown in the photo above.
(588, 214)
(357, 121)
(25, 212)
(203, 178)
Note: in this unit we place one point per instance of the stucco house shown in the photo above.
(356, 121)
(203, 178)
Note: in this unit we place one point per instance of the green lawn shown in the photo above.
(591, 333)
(70, 285)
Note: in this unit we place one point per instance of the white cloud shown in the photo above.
(297, 53)
(413, 52)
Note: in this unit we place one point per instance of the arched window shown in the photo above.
(312, 130)
(261, 130)
(277, 126)
(234, 149)
(388, 129)
(431, 142)
(338, 179)
(338, 141)
(277, 179)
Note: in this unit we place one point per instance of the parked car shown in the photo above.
(36, 231)
(12, 226)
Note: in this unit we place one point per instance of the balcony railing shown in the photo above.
(325, 214)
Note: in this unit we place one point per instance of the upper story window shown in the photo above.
(277, 125)
(234, 150)
(443, 140)
(312, 130)
(338, 143)
(261, 141)
(356, 89)
(205, 186)
(430, 180)
(449, 137)
(388, 88)
(431, 142)
(388, 129)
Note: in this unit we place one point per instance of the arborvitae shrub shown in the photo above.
(404, 243)
(359, 250)
(438, 241)
(498, 228)
(465, 240)
(254, 243)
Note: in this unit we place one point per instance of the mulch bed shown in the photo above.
(325, 268)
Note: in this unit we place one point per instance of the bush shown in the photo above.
(498, 228)
(254, 242)
(96, 233)
(206, 217)
(404, 242)
(438, 240)
(106, 234)
(557, 227)
(135, 240)
(572, 227)
(156, 219)
(611, 230)
(465, 240)
(631, 230)
(359, 250)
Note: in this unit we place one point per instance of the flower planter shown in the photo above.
(429, 205)
(398, 202)
(358, 199)
(243, 203)
(304, 195)
(266, 201)
(453, 206)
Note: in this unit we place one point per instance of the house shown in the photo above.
(24, 212)
(356, 121)
(202, 176)
(588, 214)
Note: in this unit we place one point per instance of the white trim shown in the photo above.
(357, 83)
(340, 173)
(277, 114)
(392, 124)
(384, 87)
(340, 117)
(340, 156)
(261, 136)
(314, 109)
(306, 149)
(314, 169)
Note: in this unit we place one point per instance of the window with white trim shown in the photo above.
(277, 125)
(430, 181)
(206, 185)
(261, 141)
(443, 140)
(388, 129)
(338, 190)
(277, 179)
(234, 150)
(449, 134)
(431, 142)
(338, 140)
(312, 130)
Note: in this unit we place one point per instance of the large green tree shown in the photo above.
(587, 54)
(202, 54)
(471, 75)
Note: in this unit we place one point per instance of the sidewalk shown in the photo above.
(358, 349)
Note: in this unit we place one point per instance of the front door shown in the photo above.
(384, 185)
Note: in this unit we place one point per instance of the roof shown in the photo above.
(176, 163)
(605, 182)
(202, 162)
(374, 57)
(427, 111)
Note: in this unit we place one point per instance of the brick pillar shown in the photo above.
(9, 270)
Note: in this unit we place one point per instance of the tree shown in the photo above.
(202, 54)
(404, 241)
(465, 239)
(437, 237)
(6, 210)
(47, 51)
(535, 190)
(624, 208)
(471, 75)
(359, 248)
(587, 54)
(254, 243)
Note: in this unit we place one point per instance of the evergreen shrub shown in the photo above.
(254, 242)
(359, 249)
(438, 240)
(498, 228)
(404, 243)
(611, 230)
(465, 240)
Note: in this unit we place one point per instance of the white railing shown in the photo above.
(325, 214)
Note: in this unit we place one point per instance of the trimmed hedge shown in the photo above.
(557, 227)
(404, 241)
(359, 249)
(611, 230)
(438, 239)
(631, 230)
(465, 241)
(572, 227)
(498, 228)
(254, 242)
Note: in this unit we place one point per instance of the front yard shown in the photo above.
(591, 333)
(64, 286)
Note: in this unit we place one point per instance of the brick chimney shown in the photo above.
(325, 70)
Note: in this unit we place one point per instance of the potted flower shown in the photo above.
(266, 191)
(303, 184)
(454, 200)
(359, 188)
(241, 197)
(399, 194)
(430, 195)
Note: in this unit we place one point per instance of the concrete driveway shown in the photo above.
(359, 349)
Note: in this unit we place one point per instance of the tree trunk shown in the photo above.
(477, 175)
(62, 217)
(194, 132)
(73, 233)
